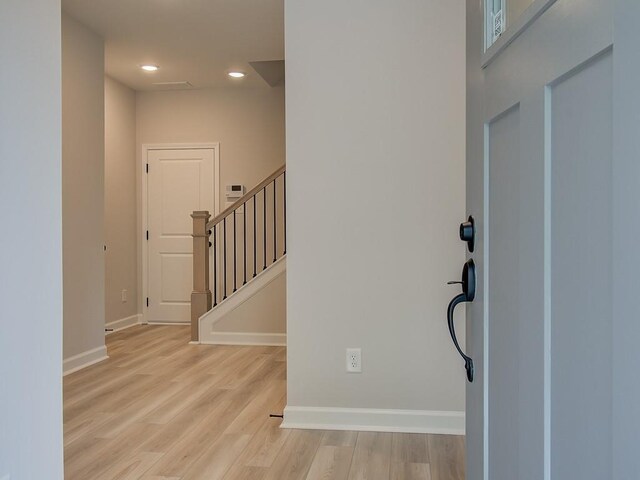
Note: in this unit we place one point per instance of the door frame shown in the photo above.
(144, 206)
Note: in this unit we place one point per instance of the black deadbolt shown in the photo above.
(468, 233)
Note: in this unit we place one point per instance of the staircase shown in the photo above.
(238, 252)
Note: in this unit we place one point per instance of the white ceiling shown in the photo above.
(197, 41)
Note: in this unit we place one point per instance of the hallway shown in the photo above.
(160, 408)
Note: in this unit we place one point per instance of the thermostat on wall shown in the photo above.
(234, 192)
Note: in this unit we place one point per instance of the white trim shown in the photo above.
(548, 155)
(244, 293)
(374, 420)
(146, 147)
(179, 324)
(123, 323)
(84, 359)
(485, 304)
(244, 338)
(530, 15)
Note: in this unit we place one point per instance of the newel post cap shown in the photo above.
(201, 214)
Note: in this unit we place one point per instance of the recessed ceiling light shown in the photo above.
(236, 74)
(149, 68)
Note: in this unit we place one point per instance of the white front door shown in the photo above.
(553, 181)
(178, 182)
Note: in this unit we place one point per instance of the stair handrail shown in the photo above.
(229, 210)
(205, 236)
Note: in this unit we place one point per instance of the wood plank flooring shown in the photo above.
(160, 408)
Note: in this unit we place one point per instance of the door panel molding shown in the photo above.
(581, 305)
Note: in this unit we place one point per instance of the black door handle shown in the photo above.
(468, 362)
(468, 294)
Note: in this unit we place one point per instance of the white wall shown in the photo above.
(82, 188)
(121, 257)
(31, 243)
(375, 157)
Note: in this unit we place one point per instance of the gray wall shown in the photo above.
(515, 8)
(120, 213)
(375, 158)
(31, 244)
(82, 187)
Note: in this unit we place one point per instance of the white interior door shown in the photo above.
(178, 182)
(553, 182)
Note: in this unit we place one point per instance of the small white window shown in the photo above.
(499, 15)
(495, 21)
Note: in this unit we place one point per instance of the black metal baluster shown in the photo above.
(274, 222)
(235, 283)
(284, 217)
(244, 242)
(255, 243)
(215, 267)
(224, 258)
(264, 226)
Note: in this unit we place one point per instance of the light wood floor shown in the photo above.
(162, 409)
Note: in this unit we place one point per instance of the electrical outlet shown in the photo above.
(124, 296)
(354, 360)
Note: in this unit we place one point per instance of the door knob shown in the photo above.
(468, 233)
(468, 295)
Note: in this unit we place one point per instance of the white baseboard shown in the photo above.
(84, 359)
(175, 324)
(123, 323)
(244, 338)
(374, 420)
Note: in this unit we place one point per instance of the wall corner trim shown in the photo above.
(374, 420)
(84, 359)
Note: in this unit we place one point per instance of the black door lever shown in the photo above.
(468, 295)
